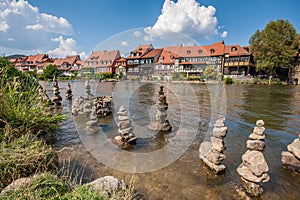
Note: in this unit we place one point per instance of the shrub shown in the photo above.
(228, 80)
(20, 109)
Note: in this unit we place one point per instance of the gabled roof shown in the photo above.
(236, 50)
(103, 58)
(70, 60)
(140, 50)
(167, 57)
(216, 49)
(36, 58)
(152, 53)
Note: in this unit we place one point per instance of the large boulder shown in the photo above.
(247, 174)
(290, 161)
(256, 162)
(108, 185)
(294, 148)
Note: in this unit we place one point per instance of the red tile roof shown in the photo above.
(102, 58)
(36, 58)
(140, 50)
(167, 57)
(236, 50)
(216, 49)
(152, 53)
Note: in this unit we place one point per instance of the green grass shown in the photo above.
(24, 157)
(21, 110)
(49, 186)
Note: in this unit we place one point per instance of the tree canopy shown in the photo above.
(275, 46)
(50, 71)
(210, 73)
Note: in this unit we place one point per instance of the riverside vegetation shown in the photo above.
(23, 152)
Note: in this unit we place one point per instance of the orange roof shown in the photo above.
(70, 60)
(216, 49)
(152, 53)
(140, 50)
(36, 58)
(167, 57)
(236, 50)
(102, 58)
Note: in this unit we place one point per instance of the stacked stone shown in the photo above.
(77, 106)
(43, 97)
(56, 99)
(253, 169)
(88, 107)
(211, 153)
(69, 94)
(92, 124)
(291, 159)
(103, 105)
(126, 135)
(161, 123)
(87, 88)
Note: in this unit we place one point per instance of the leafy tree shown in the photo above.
(275, 46)
(210, 73)
(50, 71)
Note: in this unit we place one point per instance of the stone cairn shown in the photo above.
(92, 124)
(211, 152)
(83, 105)
(253, 169)
(56, 99)
(103, 105)
(43, 97)
(161, 123)
(126, 135)
(87, 88)
(291, 158)
(69, 94)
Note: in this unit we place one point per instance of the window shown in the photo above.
(233, 49)
(212, 50)
(200, 51)
(188, 52)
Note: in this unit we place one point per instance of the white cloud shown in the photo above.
(187, 17)
(224, 34)
(137, 33)
(35, 27)
(3, 26)
(28, 27)
(124, 43)
(148, 38)
(66, 47)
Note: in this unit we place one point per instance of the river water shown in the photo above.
(176, 172)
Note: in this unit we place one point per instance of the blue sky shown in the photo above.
(63, 27)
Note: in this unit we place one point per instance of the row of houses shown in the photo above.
(38, 62)
(145, 60)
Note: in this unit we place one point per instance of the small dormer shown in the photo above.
(200, 51)
(233, 49)
(188, 52)
(212, 51)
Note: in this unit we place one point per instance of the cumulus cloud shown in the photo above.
(66, 47)
(124, 43)
(224, 34)
(26, 28)
(187, 17)
(35, 27)
(3, 26)
(137, 33)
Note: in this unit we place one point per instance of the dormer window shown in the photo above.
(188, 52)
(200, 51)
(233, 49)
(212, 50)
